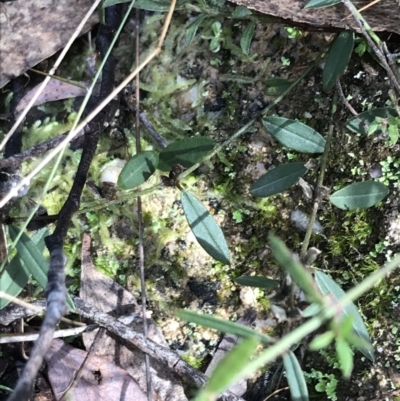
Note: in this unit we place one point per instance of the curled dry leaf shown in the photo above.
(34, 30)
(56, 90)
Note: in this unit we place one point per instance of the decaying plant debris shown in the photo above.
(192, 89)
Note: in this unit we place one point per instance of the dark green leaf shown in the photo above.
(328, 287)
(294, 134)
(296, 270)
(278, 179)
(257, 281)
(230, 367)
(368, 117)
(359, 195)
(224, 326)
(247, 37)
(15, 276)
(338, 58)
(138, 170)
(205, 229)
(345, 357)
(276, 86)
(192, 28)
(35, 262)
(295, 377)
(186, 152)
(321, 3)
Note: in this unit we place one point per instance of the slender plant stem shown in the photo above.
(140, 213)
(324, 162)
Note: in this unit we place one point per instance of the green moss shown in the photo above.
(196, 362)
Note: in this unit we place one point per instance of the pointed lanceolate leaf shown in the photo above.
(294, 134)
(276, 86)
(359, 195)
(295, 377)
(15, 276)
(205, 229)
(368, 117)
(278, 179)
(321, 3)
(192, 28)
(257, 281)
(229, 368)
(138, 170)
(186, 152)
(35, 262)
(224, 326)
(296, 270)
(338, 58)
(328, 287)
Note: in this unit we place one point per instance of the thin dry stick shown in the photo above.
(52, 71)
(348, 105)
(324, 161)
(25, 181)
(19, 338)
(364, 8)
(140, 215)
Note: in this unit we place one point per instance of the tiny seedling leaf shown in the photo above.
(15, 276)
(295, 377)
(192, 28)
(278, 180)
(138, 170)
(368, 117)
(294, 134)
(359, 195)
(207, 232)
(229, 369)
(328, 287)
(338, 58)
(186, 152)
(276, 86)
(321, 3)
(257, 281)
(345, 356)
(224, 326)
(296, 270)
(247, 37)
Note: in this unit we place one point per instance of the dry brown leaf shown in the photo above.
(31, 31)
(383, 16)
(101, 380)
(55, 90)
(110, 297)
